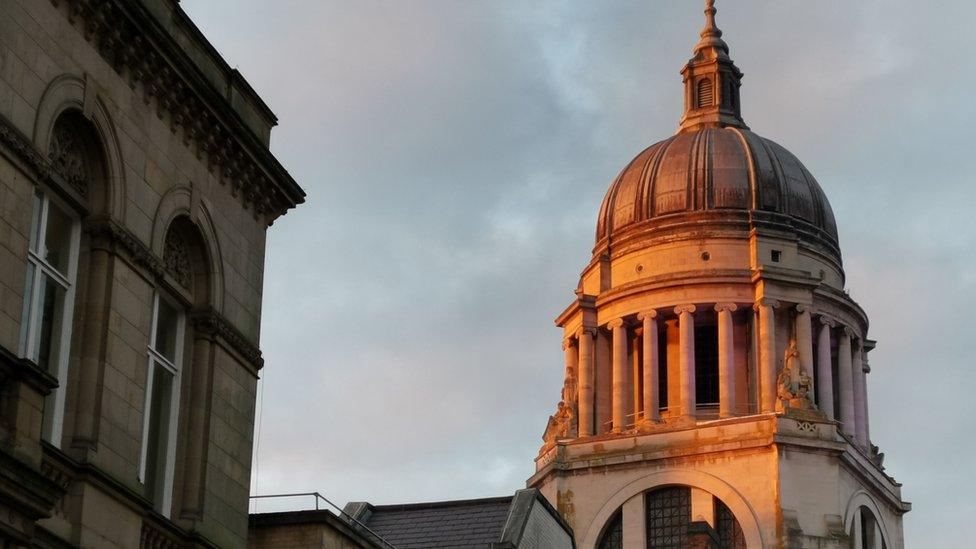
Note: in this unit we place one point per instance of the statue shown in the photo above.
(793, 383)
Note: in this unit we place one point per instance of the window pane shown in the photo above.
(159, 412)
(35, 233)
(57, 239)
(25, 315)
(167, 325)
(47, 344)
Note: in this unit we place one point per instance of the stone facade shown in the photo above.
(136, 187)
(715, 365)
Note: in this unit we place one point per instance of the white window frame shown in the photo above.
(157, 360)
(31, 329)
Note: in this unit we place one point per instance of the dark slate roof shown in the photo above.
(441, 525)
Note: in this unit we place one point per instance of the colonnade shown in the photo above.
(763, 366)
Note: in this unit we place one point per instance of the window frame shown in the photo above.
(38, 270)
(155, 359)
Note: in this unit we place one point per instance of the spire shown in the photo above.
(711, 42)
(711, 81)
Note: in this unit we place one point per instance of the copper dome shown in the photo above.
(714, 170)
(720, 169)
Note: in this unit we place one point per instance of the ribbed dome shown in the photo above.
(716, 169)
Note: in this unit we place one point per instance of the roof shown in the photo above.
(445, 524)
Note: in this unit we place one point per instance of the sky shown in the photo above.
(455, 155)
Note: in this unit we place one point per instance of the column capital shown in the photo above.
(684, 309)
(647, 314)
(730, 307)
(585, 330)
(569, 342)
(767, 302)
(849, 332)
(827, 321)
(804, 308)
(615, 323)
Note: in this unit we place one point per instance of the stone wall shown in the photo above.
(154, 166)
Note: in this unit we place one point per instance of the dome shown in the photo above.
(718, 170)
(714, 172)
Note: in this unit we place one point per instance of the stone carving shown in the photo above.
(793, 383)
(67, 158)
(176, 259)
(560, 426)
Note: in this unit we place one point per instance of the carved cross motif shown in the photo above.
(68, 158)
(176, 258)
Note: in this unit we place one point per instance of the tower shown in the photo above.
(715, 391)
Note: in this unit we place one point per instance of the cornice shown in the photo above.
(129, 38)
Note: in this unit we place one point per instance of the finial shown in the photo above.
(711, 35)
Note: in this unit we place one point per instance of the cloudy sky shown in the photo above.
(455, 154)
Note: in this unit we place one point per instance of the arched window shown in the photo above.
(186, 286)
(866, 531)
(668, 523)
(613, 533)
(668, 512)
(705, 92)
(76, 161)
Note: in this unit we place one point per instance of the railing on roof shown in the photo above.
(318, 499)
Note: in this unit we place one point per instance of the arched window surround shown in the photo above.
(743, 511)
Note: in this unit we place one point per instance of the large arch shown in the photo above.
(743, 512)
(179, 201)
(68, 92)
(863, 499)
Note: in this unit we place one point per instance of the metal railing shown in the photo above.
(318, 498)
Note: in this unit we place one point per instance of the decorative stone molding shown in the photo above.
(211, 322)
(68, 158)
(154, 538)
(129, 38)
(730, 307)
(684, 309)
(176, 259)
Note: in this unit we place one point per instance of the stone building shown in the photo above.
(715, 392)
(136, 186)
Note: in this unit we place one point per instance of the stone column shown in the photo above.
(91, 366)
(860, 404)
(804, 343)
(199, 402)
(866, 368)
(845, 381)
(686, 360)
(585, 343)
(619, 405)
(825, 381)
(652, 408)
(767, 354)
(726, 360)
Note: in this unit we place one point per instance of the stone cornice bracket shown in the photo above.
(652, 314)
(616, 323)
(133, 42)
(685, 309)
(730, 307)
